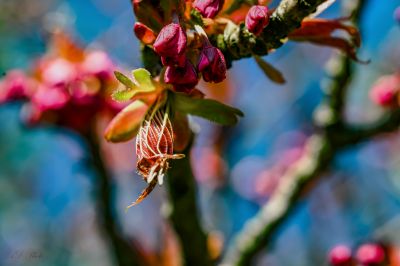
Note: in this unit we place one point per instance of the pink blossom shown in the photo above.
(340, 256)
(99, 64)
(212, 64)
(171, 44)
(183, 78)
(384, 92)
(257, 19)
(370, 254)
(58, 72)
(208, 8)
(16, 85)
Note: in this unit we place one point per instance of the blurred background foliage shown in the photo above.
(46, 202)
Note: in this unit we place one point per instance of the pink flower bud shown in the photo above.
(212, 64)
(50, 98)
(370, 254)
(16, 85)
(183, 78)
(340, 256)
(384, 92)
(99, 64)
(171, 43)
(208, 8)
(257, 19)
(59, 72)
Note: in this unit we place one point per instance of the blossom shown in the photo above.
(99, 64)
(370, 254)
(144, 33)
(212, 64)
(171, 44)
(384, 92)
(257, 19)
(15, 86)
(340, 256)
(208, 8)
(58, 72)
(183, 78)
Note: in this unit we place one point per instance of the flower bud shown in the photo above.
(340, 256)
(144, 33)
(99, 64)
(212, 64)
(59, 72)
(384, 92)
(370, 254)
(16, 85)
(171, 44)
(208, 8)
(257, 19)
(183, 78)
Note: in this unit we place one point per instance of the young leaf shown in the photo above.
(143, 79)
(123, 94)
(270, 71)
(206, 108)
(126, 123)
(124, 80)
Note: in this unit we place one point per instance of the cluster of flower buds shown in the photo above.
(257, 19)
(181, 72)
(368, 254)
(385, 92)
(67, 86)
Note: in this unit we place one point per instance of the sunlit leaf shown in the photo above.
(126, 123)
(206, 108)
(270, 71)
(124, 80)
(143, 79)
(123, 94)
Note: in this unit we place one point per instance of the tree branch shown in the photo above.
(237, 42)
(183, 212)
(320, 150)
(124, 252)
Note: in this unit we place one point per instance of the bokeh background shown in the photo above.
(46, 192)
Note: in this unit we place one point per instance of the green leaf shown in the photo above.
(123, 94)
(126, 123)
(270, 71)
(142, 84)
(143, 79)
(124, 80)
(206, 108)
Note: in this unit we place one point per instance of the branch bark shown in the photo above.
(320, 150)
(124, 252)
(237, 43)
(183, 212)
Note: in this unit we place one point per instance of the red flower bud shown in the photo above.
(212, 64)
(171, 43)
(257, 19)
(183, 78)
(16, 85)
(144, 33)
(340, 256)
(208, 8)
(370, 254)
(384, 92)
